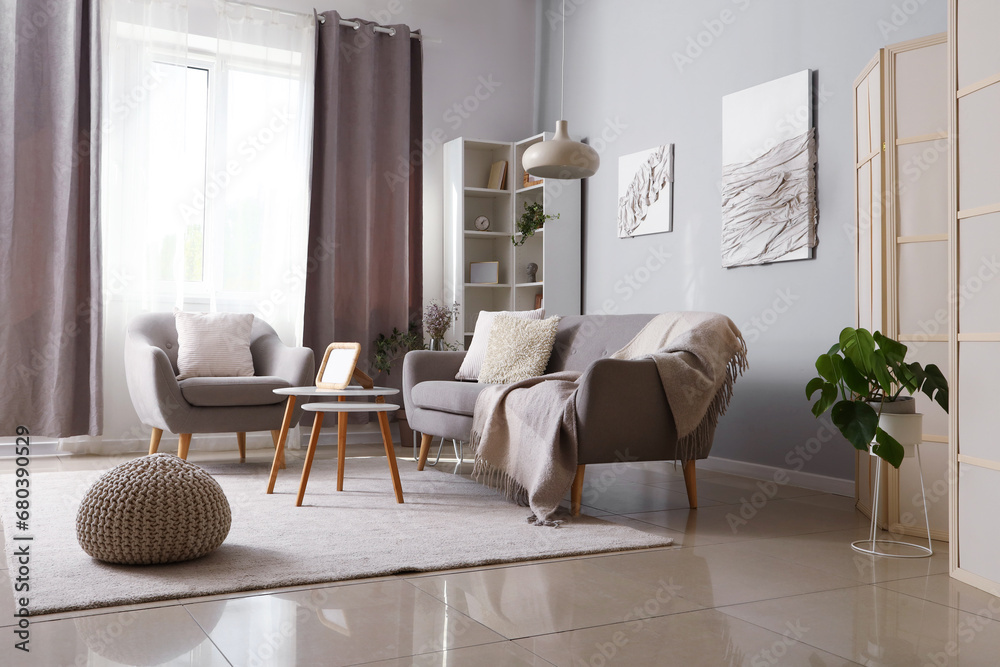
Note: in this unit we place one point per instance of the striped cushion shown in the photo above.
(473, 361)
(213, 344)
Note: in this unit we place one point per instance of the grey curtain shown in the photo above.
(50, 276)
(366, 201)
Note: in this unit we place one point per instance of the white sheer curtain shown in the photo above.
(205, 176)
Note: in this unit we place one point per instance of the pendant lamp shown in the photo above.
(560, 156)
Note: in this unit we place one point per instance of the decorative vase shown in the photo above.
(437, 344)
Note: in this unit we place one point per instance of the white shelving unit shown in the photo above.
(555, 248)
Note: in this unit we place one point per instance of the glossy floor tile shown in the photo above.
(164, 636)
(949, 592)
(876, 626)
(705, 637)
(749, 521)
(550, 597)
(340, 625)
(718, 575)
(758, 575)
(501, 654)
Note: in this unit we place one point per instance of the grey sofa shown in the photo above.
(622, 413)
(210, 404)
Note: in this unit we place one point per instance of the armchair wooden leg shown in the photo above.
(425, 449)
(691, 484)
(241, 440)
(183, 444)
(576, 491)
(154, 440)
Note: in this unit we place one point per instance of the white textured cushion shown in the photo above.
(213, 344)
(473, 361)
(518, 349)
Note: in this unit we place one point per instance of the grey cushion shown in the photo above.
(232, 391)
(458, 398)
(583, 339)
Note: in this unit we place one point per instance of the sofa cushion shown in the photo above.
(518, 349)
(214, 392)
(213, 344)
(473, 361)
(458, 398)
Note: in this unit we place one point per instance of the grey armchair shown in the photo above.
(210, 404)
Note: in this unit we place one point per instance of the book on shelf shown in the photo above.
(498, 174)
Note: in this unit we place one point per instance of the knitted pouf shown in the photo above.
(153, 509)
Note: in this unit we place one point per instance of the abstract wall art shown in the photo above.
(645, 192)
(769, 173)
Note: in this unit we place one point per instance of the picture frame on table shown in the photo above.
(337, 368)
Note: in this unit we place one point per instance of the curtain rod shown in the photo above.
(377, 28)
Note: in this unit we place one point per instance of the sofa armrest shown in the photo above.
(295, 365)
(152, 385)
(623, 414)
(424, 365)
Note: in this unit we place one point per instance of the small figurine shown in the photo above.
(531, 269)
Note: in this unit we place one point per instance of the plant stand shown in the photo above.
(871, 545)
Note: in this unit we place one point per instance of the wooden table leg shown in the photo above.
(390, 454)
(341, 445)
(307, 466)
(275, 436)
(279, 448)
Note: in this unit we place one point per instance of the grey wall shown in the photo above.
(626, 91)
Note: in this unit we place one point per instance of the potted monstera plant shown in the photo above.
(861, 381)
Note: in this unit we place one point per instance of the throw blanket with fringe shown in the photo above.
(524, 434)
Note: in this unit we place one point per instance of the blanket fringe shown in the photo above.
(495, 478)
(697, 443)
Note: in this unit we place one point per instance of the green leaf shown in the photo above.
(814, 385)
(826, 399)
(857, 421)
(888, 448)
(854, 380)
(858, 346)
(828, 366)
(893, 350)
(935, 385)
(835, 349)
(880, 368)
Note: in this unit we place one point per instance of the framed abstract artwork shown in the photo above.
(646, 191)
(769, 173)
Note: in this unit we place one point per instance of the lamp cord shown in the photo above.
(562, 75)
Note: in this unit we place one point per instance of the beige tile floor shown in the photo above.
(772, 585)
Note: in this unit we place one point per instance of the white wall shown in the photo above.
(466, 43)
(629, 87)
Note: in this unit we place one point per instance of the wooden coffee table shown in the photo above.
(342, 407)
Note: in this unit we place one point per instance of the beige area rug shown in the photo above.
(446, 522)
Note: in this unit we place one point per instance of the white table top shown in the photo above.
(352, 390)
(350, 407)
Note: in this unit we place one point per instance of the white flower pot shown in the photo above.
(908, 430)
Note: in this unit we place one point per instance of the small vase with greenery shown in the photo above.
(394, 346)
(865, 369)
(531, 220)
(437, 319)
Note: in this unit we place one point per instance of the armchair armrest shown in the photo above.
(152, 385)
(623, 414)
(295, 365)
(424, 365)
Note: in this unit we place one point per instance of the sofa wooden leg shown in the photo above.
(183, 444)
(425, 449)
(576, 492)
(154, 440)
(241, 440)
(691, 484)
